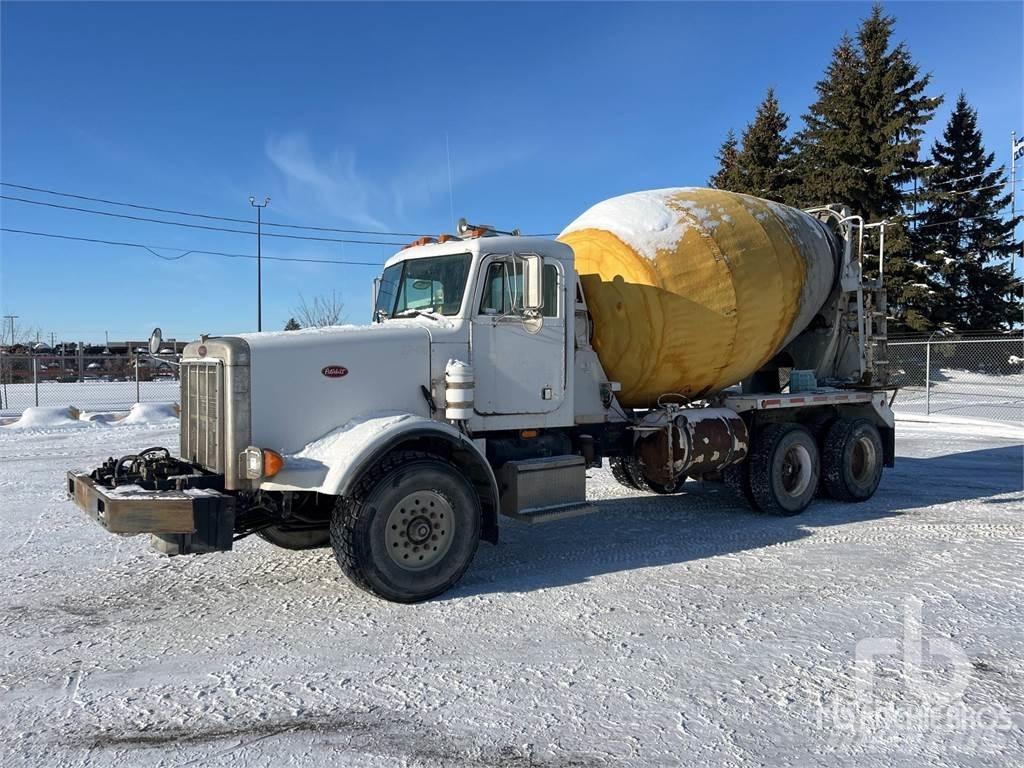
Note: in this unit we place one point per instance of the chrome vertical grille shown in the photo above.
(202, 410)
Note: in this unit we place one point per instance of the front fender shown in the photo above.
(332, 464)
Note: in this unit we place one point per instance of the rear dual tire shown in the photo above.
(852, 460)
(786, 466)
(629, 473)
(784, 469)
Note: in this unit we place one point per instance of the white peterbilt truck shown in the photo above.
(682, 335)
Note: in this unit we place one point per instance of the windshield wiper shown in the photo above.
(416, 312)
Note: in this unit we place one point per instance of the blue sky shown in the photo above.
(339, 112)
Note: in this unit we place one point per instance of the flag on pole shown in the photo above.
(1018, 149)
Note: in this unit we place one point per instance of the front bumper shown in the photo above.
(182, 521)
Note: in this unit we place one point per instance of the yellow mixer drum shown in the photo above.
(692, 290)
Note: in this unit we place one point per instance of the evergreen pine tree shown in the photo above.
(726, 157)
(292, 325)
(962, 233)
(763, 164)
(860, 146)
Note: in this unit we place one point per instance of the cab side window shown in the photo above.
(549, 288)
(503, 290)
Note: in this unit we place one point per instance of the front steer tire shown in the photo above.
(410, 529)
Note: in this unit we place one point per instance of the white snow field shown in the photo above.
(667, 631)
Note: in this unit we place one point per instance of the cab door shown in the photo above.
(518, 367)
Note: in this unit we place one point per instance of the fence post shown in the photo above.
(138, 398)
(35, 377)
(928, 377)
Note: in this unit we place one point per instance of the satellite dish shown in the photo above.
(156, 338)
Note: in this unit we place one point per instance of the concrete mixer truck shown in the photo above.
(683, 336)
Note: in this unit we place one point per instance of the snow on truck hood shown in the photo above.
(305, 383)
(404, 326)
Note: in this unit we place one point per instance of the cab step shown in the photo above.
(557, 512)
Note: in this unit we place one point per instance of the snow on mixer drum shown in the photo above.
(692, 290)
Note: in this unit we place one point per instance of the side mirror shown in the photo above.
(533, 295)
(156, 338)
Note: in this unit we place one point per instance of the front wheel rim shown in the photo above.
(418, 533)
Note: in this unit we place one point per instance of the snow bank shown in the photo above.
(44, 417)
(69, 417)
(151, 413)
(964, 425)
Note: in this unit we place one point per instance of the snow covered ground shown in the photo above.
(660, 631)
(967, 394)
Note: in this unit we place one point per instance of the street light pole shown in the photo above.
(5, 374)
(12, 318)
(259, 258)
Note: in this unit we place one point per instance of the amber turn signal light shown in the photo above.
(261, 462)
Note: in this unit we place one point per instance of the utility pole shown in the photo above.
(12, 318)
(7, 374)
(259, 258)
(1014, 149)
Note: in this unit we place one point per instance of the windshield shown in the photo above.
(435, 284)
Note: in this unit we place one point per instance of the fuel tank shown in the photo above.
(692, 290)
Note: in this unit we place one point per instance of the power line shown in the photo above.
(206, 227)
(152, 249)
(1000, 169)
(974, 189)
(229, 219)
(953, 221)
(921, 214)
(207, 216)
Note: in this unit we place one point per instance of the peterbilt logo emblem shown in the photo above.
(334, 371)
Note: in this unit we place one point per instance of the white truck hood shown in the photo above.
(304, 384)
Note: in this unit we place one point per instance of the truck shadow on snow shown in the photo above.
(639, 531)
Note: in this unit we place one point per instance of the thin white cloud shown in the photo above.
(333, 186)
(425, 179)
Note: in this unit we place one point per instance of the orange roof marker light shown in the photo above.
(425, 240)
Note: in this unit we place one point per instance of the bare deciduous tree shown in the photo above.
(23, 334)
(323, 310)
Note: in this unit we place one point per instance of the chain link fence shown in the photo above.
(89, 382)
(981, 378)
(969, 377)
